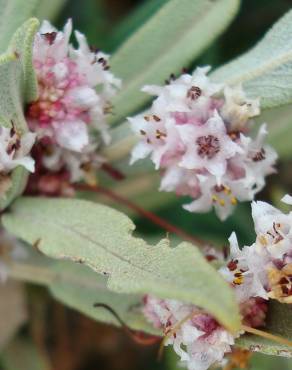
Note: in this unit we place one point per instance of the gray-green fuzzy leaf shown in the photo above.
(79, 287)
(265, 70)
(101, 238)
(13, 14)
(17, 86)
(167, 42)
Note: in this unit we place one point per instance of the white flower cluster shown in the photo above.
(14, 152)
(75, 89)
(257, 273)
(264, 269)
(201, 141)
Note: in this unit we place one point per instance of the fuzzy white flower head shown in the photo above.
(15, 149)
(75, 88)
(201, 142)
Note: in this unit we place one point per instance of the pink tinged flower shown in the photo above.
(245, 271)
(208, 146)
(15, 149)
(191, 134)
(185, 93)
(200, 341)
(259, 160)
(180, 180)
(222, 197)
(75, 88)
(159, 137)
(273, 229)
(254, 312)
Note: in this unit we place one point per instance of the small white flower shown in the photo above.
(207, 146)
(201, 141)
(15, 149)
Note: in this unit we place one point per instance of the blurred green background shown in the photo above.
(60, 339)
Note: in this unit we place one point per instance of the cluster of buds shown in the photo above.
(69, 117)
(198, 134)
(257, 273)
(14, 151)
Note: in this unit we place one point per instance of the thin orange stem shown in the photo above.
(266, 335)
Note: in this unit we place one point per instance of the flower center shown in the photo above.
(208, 146)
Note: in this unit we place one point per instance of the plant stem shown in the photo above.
(31, 273)
(266, 335)
(142, 212)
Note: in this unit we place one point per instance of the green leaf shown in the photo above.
(133, 21)
(13, 14)
(279, 122)
(17, 86)
(265, 70)
(167, 42)
(279, 322)
(79, 287)
(49, 9)
(22, 45)
(101, 238)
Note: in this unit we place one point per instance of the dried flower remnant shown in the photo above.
(198, 134)
(75, 90)
(14, 151)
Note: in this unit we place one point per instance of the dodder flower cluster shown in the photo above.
(201, 141)
(75, 88)
(14, 151)
(257, 273)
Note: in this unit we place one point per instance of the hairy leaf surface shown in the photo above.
(101, 238)
(17, 86)
(265, 70)
(167, 42)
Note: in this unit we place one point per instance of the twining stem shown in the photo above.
(266, 335)
(138, 337)
(142, 212)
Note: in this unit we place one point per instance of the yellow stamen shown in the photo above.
(227, 190)
(263, 240)
(222, 202)
(233, 201)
